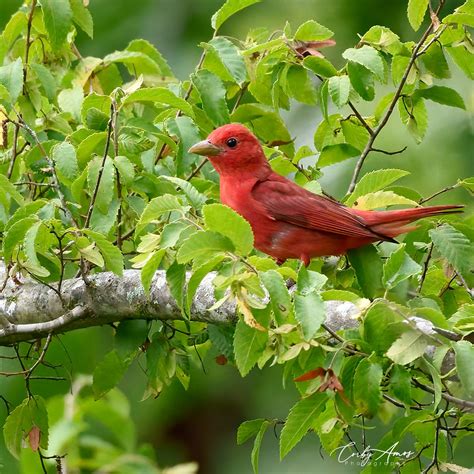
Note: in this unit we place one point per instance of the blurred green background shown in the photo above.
(200, 425)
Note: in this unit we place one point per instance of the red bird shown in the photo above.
(287, 220)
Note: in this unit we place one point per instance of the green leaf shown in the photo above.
(46, 79)
(312, 31)
(248, 429)
(320, 66)
(70, 100)
(442, 95)
(400, 384)
(224, 59)
(381, 199)
(279, 296)
(195, 198)
(226, 221)
(147, 48)
(10, 189)
(249, 344)
(309, 311)
(463, 58)
(112, 255)
(367, 57)
(160, 95)
(108, 373)
(57, 15)
(82, 17)
(229, 8)
(105, 191)
(157, 207)
(414, 115)
(256, 445)
(148, 271)
(29, 414)
(416, 12)
(332, 154)
(212, 92)
(29, 247)
(362, 80)
(176, 279)
(375, 181)
(309, 281)
(435, 61)
(339, 88)
(398, 267)
(366, 388)
(408, 347)
(126, 169)
(299, 421)
(137, 62)
(129, 336)
(323, 99)
(64, 157)
(11, 77)
(203, 243)
(368, 267)
(454, 246)
(15, 235)
(460, 18)
(465, 365)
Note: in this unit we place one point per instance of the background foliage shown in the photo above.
(95, 174)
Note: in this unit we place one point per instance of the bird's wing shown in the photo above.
(288, 202)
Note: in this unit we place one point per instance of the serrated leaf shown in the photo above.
(416, 12)
(11, 77)
(10, 189)
(82, 17)
(30, 413)
(442, 95)
(126, 169)
(256, 445)
(339, 88)
(320, 66)
(408, 347)
(312, 31)
(57, 16)
(368, 57)
(375, 181)
(454, 246)
(213, 93)
(464, 351)
(400, 384)
(414, 115)
(362, 80)
(145, 47)
(203, 243)
(279, 296)
(157, 207)
(249, 344)
(196, 199)
(112, 255)
(310, 312)
(248, 429)
(15, 235)
(230, 7)
(149, 269)
(399, 267)
(366, 387)
(29, 247)
(161, 95)
(46, 79)
(64, 157)
(226, 221)
(332, 154)
(368, 267)
(299, 421)
(381, 199)
(108, 373)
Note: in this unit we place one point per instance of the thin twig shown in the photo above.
(466, 404)
(14, 151)
(28, 42)
(361, 119)
(437, 193)
(117, 174)
(101, 169)
(385, 152)
(417, 52)
(425, 269)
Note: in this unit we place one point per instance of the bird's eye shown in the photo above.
(231, 142)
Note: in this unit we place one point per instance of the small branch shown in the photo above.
(196, 171)
(465, 404)
(14, 151)
(425, 269)
(101, 170)
(361, 119)
(437, 193)
(417, 52)
(434, 461)
(385, 152)
(115, 130)
(28, 42)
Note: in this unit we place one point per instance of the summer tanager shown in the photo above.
(287, 220)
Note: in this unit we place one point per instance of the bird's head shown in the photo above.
(232, 148)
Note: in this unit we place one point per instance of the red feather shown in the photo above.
(287, 220)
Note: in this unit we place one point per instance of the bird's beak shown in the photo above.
(205, 148)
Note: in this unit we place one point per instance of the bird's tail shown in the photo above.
(393, 223)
